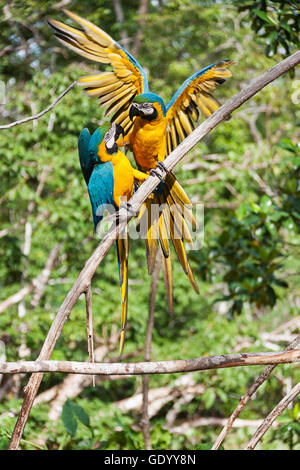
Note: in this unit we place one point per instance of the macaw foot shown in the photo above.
(160, 171)
(126, 206)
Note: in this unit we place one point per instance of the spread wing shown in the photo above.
(115, 89)
(191, 99)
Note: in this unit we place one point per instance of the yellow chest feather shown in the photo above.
(148, 142)
(123, 178)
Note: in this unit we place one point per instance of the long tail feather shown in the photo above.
(170, 221)
(178, 204)
(163, 226)
(168, 279)
(180, 199)
(123, 251)
(151, 240)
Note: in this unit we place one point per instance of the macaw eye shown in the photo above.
(109, 135)
(110, 142)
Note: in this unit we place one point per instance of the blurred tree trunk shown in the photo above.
(142, 11)
(117, 4)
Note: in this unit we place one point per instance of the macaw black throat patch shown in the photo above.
(112, 150)
(151, 117)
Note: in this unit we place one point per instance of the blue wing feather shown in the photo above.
(94, 143)
(84, 158)
(187, 82)
(101, 188)
(88, 151)
(140, 68)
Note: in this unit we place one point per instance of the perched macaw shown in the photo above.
(110, 179)
(152, 128)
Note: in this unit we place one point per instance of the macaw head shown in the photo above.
(111, 136)
(147, 106)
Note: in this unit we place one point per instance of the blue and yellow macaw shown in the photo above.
(110, 179)
(152, 128)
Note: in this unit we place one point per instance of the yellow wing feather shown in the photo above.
(194, 99)
(115, 89)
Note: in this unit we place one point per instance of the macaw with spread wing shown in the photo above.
(152, 128)
(110, 178)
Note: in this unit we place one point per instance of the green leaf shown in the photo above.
(68, 418)
(263, 15)
(271, 296)
(266, 203)
(209, 397)
(204, 446)
(286, 27)
(81, 414)
(287, 146)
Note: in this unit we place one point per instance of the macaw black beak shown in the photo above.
(119, 130)
(134, 111)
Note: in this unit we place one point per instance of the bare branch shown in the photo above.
(245, 399)
(40, 114)
(184, 427)
(16, 298)
(161, 367)
(269, 420)
(137, 199)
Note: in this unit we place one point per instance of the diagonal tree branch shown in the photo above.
(269, 420)
(85, 276)
(245, 398)
(40, 114)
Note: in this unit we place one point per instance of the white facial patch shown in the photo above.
(147, 108)
(110, 142)
(109, 137)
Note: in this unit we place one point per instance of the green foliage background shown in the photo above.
(247, 174)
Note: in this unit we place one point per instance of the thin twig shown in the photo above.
(245, 399)
(269, 420)
(195, 423)
(145, 421)
(41, 113)
(137, 199)
(161, 367)
(89, 326)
